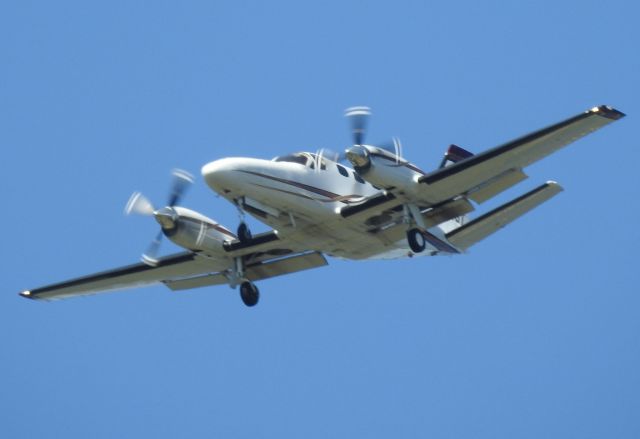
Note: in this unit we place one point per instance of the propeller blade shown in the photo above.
(393, 146)
(166, 216)
(331, 155)
(149, 257)
(139, 204)
(181, 181)
(358, 117)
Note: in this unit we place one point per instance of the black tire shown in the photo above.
(244, 234)
(249, 294)
(416, 240)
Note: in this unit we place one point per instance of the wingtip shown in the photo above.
(554, 184)
(26, 294)
(608, 112)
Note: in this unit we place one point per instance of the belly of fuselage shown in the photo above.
(302, 205)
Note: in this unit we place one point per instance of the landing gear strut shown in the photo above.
(244, 234)
(249, 293)
(416, 240)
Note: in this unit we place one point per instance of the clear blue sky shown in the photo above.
(534, 333)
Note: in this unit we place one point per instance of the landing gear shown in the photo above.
(416, 240)
(249, 293)
(244, 234)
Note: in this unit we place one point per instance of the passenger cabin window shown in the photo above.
(358, 178)
(342, 170)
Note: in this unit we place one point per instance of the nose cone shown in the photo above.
(219, 174)
(230, 174)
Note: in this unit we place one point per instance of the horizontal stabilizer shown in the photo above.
(483, 226)
(496, 185)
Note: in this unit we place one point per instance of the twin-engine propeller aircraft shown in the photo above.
(381, 207)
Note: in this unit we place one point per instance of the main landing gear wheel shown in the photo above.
(416, 240)
(244, 234)
(249, 293)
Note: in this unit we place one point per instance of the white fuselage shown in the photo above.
(300, 196)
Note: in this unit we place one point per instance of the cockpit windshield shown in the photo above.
(303, 158)
(300, 158)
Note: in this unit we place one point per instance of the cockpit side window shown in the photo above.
(358, 178)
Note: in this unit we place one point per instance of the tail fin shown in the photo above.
(453, 155)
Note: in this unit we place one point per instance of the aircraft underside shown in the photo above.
(379, 205)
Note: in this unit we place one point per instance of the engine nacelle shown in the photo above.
(192, 230)
(382, 168)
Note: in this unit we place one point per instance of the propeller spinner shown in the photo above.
(167, 217)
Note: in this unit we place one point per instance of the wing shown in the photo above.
(265, 256)
(136, 275)
(499, 168)
(444, 194)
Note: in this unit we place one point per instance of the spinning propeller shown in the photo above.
(167, 216)
(393, 146)
(329, 154)
(358, 154)
(358, 120)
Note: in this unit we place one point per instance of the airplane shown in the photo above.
(381, 206)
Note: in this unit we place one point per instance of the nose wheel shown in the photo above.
(416, 240)
(249, 293)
